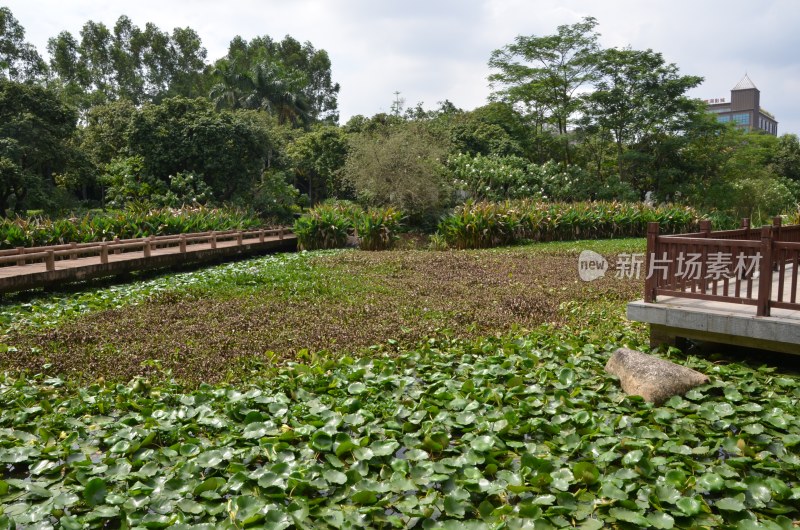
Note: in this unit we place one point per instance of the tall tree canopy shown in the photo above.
(127, 63)
(544, 74)
(35, 127)
(19, 60)
(288, 79)
(638, 94)
(187, 135)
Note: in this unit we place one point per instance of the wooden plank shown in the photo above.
(108, 258)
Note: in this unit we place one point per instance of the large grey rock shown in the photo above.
(655, 379)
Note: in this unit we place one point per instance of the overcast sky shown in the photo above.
(432, 50)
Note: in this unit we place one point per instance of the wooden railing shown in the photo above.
(21, 256)
(735, 266)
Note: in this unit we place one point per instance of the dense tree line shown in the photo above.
(129, 116)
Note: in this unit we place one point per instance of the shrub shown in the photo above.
(125, 224)
(437, 242)
(274, 197)
(495, 178)
(377, 228)
(758, 197)
(480, 225)
(492, 178)
(324, 226)
(186, 188)
(328, 224)
(400, 166)
(126, 181)
(484, 224)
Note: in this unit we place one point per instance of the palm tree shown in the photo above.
(279, 92)
(232, 87)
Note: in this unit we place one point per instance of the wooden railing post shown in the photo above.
(280, 233)
(116, 242)
(765, 273)
(104, 253)
(650, 283)
(746, 227)
(50, 261)
(776, 228)
(213, 239)
(147, 248)
(239, 238)
(73, 245)
(261, 236)
(183, 244)
(21, 252)
(705, 227)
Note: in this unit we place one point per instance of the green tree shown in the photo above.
(290, 80)
(19, 60)
(188, 77)
(735, 172)
(35, 128)
(494, 129)
(638, 94)
(187, 135)
(317, 158)
(279, 93)
(786, 160)
(127, 63)
(545, 73)
(105, 133)
(400, 166)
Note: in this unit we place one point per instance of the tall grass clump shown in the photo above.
(377, 228)
(481, 225)
(324, 226)
(490, 224)
(328, 225)
(124, 224)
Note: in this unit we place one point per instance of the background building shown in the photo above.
(744, 108)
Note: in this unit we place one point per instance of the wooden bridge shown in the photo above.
(732, 286)
(30, 267)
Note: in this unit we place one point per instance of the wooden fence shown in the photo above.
(756, 267)
(21, 256)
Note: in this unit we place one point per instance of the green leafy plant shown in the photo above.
(487, 433)
(493, 178)
(377, 228)
(129, 223)
(485, 224)
(329, 224)
(324, 226)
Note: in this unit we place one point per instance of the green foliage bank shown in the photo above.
(487, 224)
(105, 226)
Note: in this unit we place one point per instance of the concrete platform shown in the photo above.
(673, 318)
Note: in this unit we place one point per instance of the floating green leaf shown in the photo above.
(95, 492)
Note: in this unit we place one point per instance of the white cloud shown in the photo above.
(434, 50)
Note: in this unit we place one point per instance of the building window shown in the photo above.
(741, 119)
(724, 119)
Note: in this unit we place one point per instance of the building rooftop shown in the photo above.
(745, 84)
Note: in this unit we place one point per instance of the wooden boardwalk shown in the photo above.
(733, 322)
(752, 298)
(28, 268)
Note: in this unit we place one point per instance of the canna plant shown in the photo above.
(104, 226)
(329, 224)
(490, 224)
(324, 226)
(377, 228)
